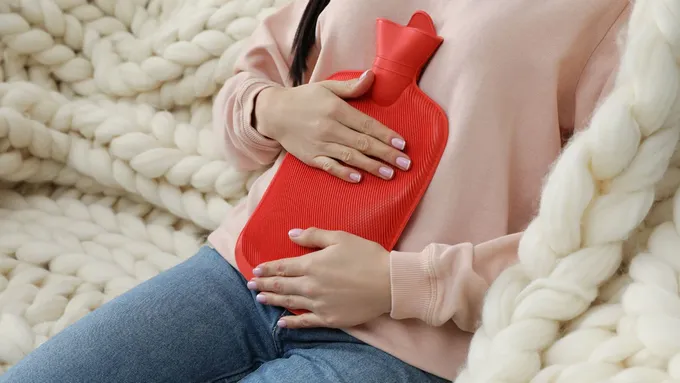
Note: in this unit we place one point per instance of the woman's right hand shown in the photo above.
(315, 124)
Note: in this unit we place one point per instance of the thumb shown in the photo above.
(350, 88)
(314, 238)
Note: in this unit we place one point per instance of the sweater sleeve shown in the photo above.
(265, 62)
(445, 282)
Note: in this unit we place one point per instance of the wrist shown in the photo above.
(264, 105)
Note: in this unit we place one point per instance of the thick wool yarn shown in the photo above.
(594, 297)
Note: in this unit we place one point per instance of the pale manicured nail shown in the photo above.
(355, 177)
(257, 272)
(386, 172)
(404, 163)
(281, 323)
(295, 233)
(261, 298)
(251, 285)
(398, 143)
(363, 75)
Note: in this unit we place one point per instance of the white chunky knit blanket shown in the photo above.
(109, 174)
(109, 171)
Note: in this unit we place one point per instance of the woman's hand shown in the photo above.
(345, 284)
(314, 123)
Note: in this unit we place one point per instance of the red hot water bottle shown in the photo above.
(300, 196)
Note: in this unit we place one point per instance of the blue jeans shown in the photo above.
(195, 323)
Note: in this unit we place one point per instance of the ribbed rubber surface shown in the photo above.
(301, 196)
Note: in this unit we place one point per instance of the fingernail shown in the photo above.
(261, 298)
(356, 177)
(281, 323)
(403, 163)
(295, 233)
(363, 75)
(398, 143)
(386, 172)
(257, 272)
(251, 285)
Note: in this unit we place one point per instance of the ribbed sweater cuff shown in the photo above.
(413, 285)
(247, 94)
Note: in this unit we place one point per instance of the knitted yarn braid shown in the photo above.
(595, 295)
(109, 170)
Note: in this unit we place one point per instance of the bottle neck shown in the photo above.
(401, 54)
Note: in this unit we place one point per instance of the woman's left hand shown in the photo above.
(344, 284)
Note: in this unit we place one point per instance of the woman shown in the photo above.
(515, 79)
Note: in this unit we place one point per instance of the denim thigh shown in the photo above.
(196, 322)
(327, 355)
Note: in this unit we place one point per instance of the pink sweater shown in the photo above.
(513, 77)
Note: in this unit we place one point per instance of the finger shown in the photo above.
(316, 238)
(356, 159)
(306, 320)
(279, 285)
(362, 123)
(287, 267)
(350, 88)
(334, 168)
(290, 302)
(372, 147)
